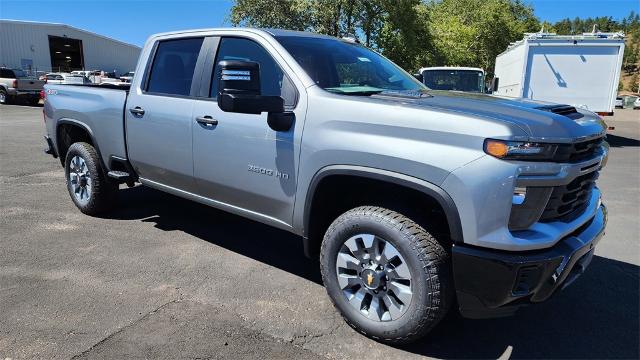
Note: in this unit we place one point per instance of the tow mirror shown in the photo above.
(239, 89)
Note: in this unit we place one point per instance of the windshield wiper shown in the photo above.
(355, 90)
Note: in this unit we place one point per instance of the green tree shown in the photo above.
(634, 83)
(285, 14)
(630, 58)
(397, 28)
(474, 32)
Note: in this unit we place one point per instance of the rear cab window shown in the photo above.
(173, 66)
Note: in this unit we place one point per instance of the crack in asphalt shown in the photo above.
(118, 331)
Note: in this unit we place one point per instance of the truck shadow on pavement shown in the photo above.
(621, 141)
(596, 317)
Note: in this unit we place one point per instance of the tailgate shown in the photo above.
(29, 84)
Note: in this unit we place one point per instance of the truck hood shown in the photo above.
(541, 121)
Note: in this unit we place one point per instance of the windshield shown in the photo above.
(347, 68)
(458, 80)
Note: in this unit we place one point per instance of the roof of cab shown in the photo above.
(272, 32)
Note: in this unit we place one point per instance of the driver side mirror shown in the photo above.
(239, 89)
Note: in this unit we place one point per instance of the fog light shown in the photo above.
(519, 195)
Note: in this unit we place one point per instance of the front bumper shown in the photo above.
(491, 283)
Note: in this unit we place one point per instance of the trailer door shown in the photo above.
(582, 76)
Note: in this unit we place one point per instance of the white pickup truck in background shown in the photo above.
(453, 78)
(16, 84)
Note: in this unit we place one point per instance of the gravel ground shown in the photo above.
(167, 278)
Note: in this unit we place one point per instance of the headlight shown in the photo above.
(517, 150)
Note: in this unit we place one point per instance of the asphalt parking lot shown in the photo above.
(166, 278)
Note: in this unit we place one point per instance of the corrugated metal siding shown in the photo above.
(22, 40)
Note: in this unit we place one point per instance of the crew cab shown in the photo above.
(413, 200)
(15, 84)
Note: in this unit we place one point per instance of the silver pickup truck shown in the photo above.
(413, 200)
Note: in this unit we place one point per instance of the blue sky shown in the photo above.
(133, 21)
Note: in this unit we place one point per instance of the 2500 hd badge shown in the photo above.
(268, 172)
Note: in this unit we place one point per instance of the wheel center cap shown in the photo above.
(371, 279)
(83, 181)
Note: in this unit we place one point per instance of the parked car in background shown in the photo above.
(85, 73)
(127, 77)
(619, 103)
(636, 104)
(413, 200)
(66, 78)
(467, 79)
(15, 84)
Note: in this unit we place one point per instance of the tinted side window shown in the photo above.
(7, 74)
(272, 78)
(173, 66)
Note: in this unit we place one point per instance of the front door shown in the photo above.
(240, 161)
(159, 116)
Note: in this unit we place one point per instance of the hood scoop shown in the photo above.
(564, 110)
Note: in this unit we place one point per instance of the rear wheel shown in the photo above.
(388, 277)
(4, 97)
(89, 187)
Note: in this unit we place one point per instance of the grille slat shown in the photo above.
(572, 153)
(568, 202)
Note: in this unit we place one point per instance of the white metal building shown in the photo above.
(38, 46)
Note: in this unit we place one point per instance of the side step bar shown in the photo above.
(121, 176)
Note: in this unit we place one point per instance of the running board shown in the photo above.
(121, 177)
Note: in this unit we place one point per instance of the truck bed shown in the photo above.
(99, 108)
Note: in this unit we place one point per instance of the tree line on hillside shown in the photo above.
(415, 33)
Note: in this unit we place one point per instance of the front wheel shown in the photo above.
(389, 278)
(90, 189)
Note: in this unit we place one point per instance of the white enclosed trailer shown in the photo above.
(582, 70)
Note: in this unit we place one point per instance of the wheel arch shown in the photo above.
(398, 180)
(76, 131)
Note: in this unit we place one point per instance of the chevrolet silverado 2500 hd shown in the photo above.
(413, 199)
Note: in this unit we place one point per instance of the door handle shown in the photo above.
(207, 120)
(137, 111)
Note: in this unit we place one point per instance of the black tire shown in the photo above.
(428, 261)
(4, 97)
(103, 191)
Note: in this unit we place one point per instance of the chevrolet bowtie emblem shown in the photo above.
(369, 279)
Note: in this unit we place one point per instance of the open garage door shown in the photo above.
(66, 54)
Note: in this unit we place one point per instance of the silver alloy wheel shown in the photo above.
(3, 97)
(80, 179)
(374, 277)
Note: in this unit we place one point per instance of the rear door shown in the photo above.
(159, 114)
(241, 162)
(557, 74)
